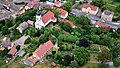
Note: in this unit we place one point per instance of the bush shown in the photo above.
(103, 65)
(116, 62)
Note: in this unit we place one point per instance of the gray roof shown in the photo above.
(107, 12)
(21, 53)
(1, 6)
(23, 26)
(12, 5)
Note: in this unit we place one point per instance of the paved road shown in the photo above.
(77, 12)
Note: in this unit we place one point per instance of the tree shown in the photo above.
(74, 64)
(116, 62)
(103, 66)
(30, 31)
(55, 32)
(105, 40)
(67, 6)
(81, 55)
(99, 3)
(118, 8)
(67, 60)
(4, 52)
(18, 47)
(83, 20)
(10, 22)
(66, 27)
(115, 49)
(5, 30)
(95, 38)
(104, 55)
(84, 42)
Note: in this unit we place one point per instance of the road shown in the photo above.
(77, 13)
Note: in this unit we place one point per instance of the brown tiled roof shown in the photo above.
(44, 48)
(49, 15)
(91, 6)
(61, 11)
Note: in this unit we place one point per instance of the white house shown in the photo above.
(87, 8)
(44, 20)
(107, 15)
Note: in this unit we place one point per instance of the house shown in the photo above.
(13, 51)
(24, 25)
(11, 6)
(103, 26)
(44, 20)
(39, 53)
(6, 42)
(36, 5)
(87, 8)
(58, 4)
(30, 5)
(107, 15)
(71, 24)
(63, 13)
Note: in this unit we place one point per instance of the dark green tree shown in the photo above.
(116, 62)
(81, 55)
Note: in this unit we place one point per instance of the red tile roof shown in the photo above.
(47, 6)
(57, 3)
(37, 5)
(49, 15)
(31, 3)
(91, 6)
(103, 26)
(44, 48)
(71, 24)
(13, 50)
(62, 11)
(31, 59)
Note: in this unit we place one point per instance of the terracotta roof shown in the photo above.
(47, 6)
(49, 15)
(31, 3)
(44, 48)
(58, 4)
(31, 59)
(62, 11)
(13, 50)
(71, 24)
(37, 5)
(91, 6)
(103, 25)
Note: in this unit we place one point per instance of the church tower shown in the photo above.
(38, 23)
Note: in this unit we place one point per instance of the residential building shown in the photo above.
(107, 15)
(58, 4)
(44, 20)
(30, 4)
(71, 24)
(63, 13)
(39, 53)
(11, 6)
(87, 8)
(24, 25)
(13, 51)
(103, 26)
(6, 43)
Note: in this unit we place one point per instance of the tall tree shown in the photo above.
(81, 55)
(99, 3)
